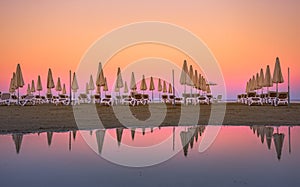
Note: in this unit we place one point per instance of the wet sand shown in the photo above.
(59, 118)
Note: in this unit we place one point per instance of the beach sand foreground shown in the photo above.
(50, 117)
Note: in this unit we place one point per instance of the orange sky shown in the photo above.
(242, 36)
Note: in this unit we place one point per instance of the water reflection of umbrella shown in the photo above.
(269, 132)
(74, 134)
(100, 134)
(278, 141)
(132, 133)
(49, 137)
(17, 138)
(261, 131)
(119, 132)
(184, 76)
(185, 139)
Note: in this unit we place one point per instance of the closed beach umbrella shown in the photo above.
(91, 85)
(208, 90)
(143, 86)
(268, 79)
(28, 89)
(39, 86)
(195, 80)
(64, 91)
(100, 81)
(170, 89)
(165, 87)
(191, 78)
(152, 87)
(58, 87)
(159, 87)
(132, 82)
(11, 86)
(204, 84)
(261, 81)
(277, 75)
(257, 82)
(105, 87)
(184, 75)
(32, 86)
(74, 84)
(50, 82)
(278, 141)
(100, 135)
(119, 81)
(19, 81)
(125, 87)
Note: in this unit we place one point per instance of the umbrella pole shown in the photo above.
(18, 96)
(276, 94)
(152, 95)
(289, 100)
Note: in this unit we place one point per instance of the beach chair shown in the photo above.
(203, 100)
(239, 99)
(28, 100)
(97, 98)
(49, 98)
(62, 99)
(282, 98)
(179, 100)
(272, 96)
(127, 100)
(137, 99)
(5, 99)
(145, 99)
(253, 99)
(219, 98)
(39, 99)
(210, 98)
(171, 99)
(107, 101)
(164, 98)
(83, 98)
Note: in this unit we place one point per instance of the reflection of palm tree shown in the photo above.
(278, 141)
(269, 132)
(17, 138)
(100, 134)
(49, 137)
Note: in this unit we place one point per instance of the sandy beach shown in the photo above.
(58, 118)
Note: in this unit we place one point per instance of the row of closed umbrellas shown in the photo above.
(262, 80)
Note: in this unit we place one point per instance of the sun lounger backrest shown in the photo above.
(49, 96)
(5, 96)
(145, 96)
(138, 96)
(14, 97)
(171, 96)
(164, 96)
(272, 94)
(283, 95)
(108, 96)
(251, 94)
(97, 96)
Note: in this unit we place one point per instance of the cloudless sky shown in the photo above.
(243, 36)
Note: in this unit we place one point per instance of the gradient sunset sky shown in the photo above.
(243, 36)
